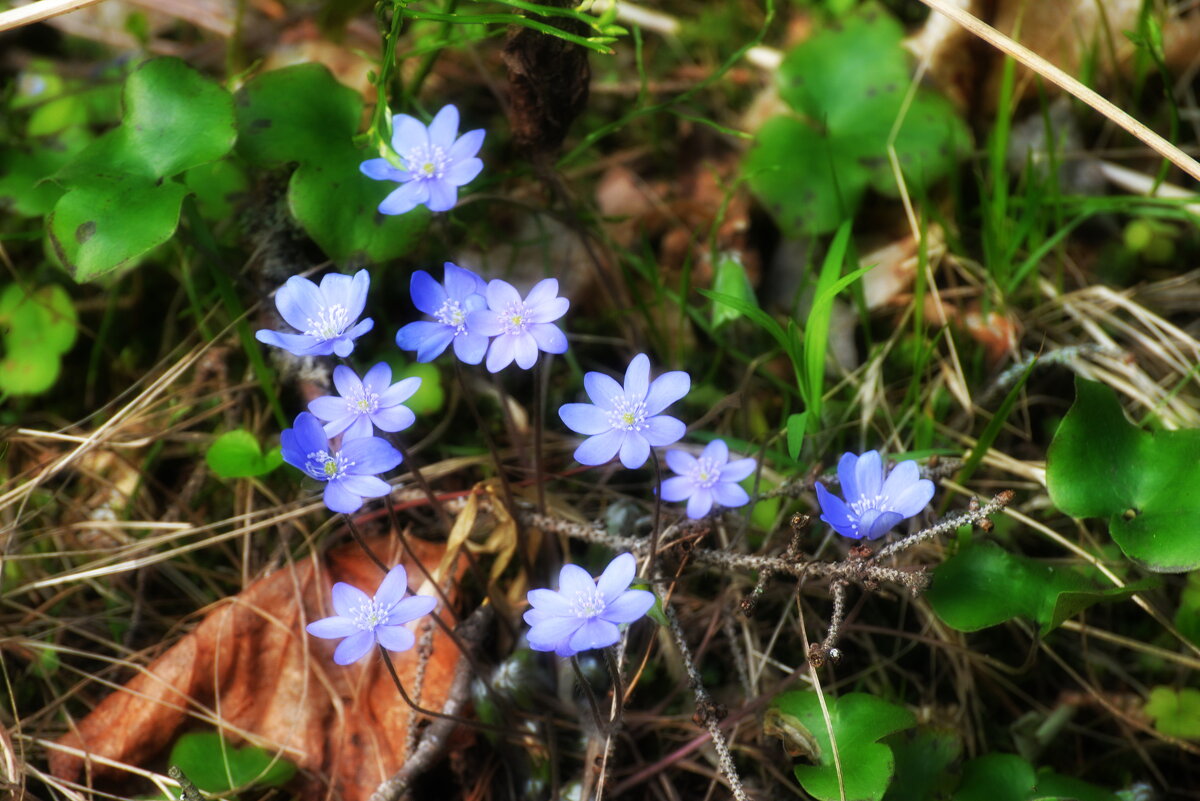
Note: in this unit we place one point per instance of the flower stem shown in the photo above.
(362, 543)
(586, 686)
(614, 671)
(652, 571)
(540, 381)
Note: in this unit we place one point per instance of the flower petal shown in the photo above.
(875, 523)
(677, 488)
(470, 347)
(584, 418)
(443, 195)
(328, 407)
(552, 633)
(348, 599)
(603, 390)
(444, 128)
(501, 294)
(730, 495)
(354, 648)
(681, 462)
(637, 377)
(501, 353)
(485, 322)
(594, 633)
(700, 503)
(549, 602)
(738, 469)
(549, 311)
(543, 291)
(360, 426)
(395, 638)
(346, 381)
(405, 199)
(461, 282)
(616, 577)
(410, 609)
(717, 451)
(635, 450)
(912, 499)
(901, 477)
(339, 499)
(427, 294)
(329, 628)
(834, 510)
(434, 343)
(573, 580)
(408, 133)
(365, 486)
(467, 146)
(382, 170)
(599, 449)
(399, 392)
(339, 425)
(628, 606)
(360, 286)
(393, 587)
(310, 436)
(370, 455)
(299, 301)
(525, 350)
(462, 172)
(296, 344)
(392, 419)
(664, 430)
(666, 389)
(868, 476)
(549, 337)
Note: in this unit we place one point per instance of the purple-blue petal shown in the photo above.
(502, 352)
(404, 199)
(393, 419)
(370, 455)
(874, 523)
(442, 194)
(549, 337)
(354, 648)
(339, 499)
(666, 389)
(444, 128)
(635, 450)
(410, 609)
(584, 418)
(594, 633)
(467, 145)
(677, 488)
(427, 295)
(637, 378)
(730, 495)
(329, 628)
(347, 599)
(603, 390)
(628, 606)
(599, 449)
(382, 170)
(393, 587)
(616, 577)
(395, 638)
(700, 503)
(663, 430)
(470, 347)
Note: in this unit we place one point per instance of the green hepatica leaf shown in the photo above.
(996, 777)
(338, 206)
(99, 227)
(217, 767)
(1175, 713)
(931, 138)
(858, 721)
(983, 585)
(926, 762)
(296, 114)
(119, 201)
(236, 454)
(175, 118)
(1101, 465)
(806, 184)
(36, 329)
(1051, 785)
(838, 69)
(217, 187)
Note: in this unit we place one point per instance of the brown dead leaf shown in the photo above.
(250, 666)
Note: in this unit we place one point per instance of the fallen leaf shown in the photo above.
(250, 665)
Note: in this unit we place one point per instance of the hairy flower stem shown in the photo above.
(474, 724)
(652, 570)
(362, 543)
(586, 686)
(614, 671)
(443, 517)
(505, 486)
(540, 381)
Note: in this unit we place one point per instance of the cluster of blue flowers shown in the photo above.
(491, 320)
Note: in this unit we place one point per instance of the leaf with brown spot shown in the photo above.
(274, 685)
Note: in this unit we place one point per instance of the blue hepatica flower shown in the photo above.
(584, 613)
(325, 315)
(436, 161)
(520, 327)
(367, 403)
(710, 478)
(350, 474)
(873, 504)
(448, 305)
(626, 420)
(364, 621)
